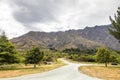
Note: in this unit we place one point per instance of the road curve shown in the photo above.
(67, 72)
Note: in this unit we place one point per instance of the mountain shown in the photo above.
(100, 34)
(90, 37)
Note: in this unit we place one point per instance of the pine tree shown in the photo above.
(115, 26)
(8, 54)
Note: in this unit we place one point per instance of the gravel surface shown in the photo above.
(67, 72)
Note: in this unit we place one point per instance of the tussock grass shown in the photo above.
(105, 73)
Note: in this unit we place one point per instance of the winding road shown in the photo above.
(67, 72)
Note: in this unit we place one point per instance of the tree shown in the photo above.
(103, 56)
(8, 53)
(115, 26)
(34, 56)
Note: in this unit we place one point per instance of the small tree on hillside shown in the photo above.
(8, 54)
(115, 26)
(103, 56)
(34, 56)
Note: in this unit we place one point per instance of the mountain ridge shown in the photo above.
(89, 37)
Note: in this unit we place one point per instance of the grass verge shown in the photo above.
(109, 73)
(23, 70)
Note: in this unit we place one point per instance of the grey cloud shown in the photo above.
(39, 12)
(42, 11)
(81, 12)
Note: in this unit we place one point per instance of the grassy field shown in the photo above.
(99, 71)
(18, 70)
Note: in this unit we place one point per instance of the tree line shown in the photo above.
(35, 55)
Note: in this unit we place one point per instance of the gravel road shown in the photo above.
(67, 72)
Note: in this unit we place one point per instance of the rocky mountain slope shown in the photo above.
(90, 37)
(100, 34)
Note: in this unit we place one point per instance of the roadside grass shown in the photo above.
(106, 73)
(112, 72)
(14, 70)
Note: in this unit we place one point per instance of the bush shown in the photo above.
(9, 67)
(118, 60)
(87, 58)
(115, 57)
(74, 57)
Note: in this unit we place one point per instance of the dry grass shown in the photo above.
(109, 73)
(23, 70)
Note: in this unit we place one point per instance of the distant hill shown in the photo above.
(100, 34)
(90, 37)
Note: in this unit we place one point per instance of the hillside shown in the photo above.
(90, 37)
(100, 34)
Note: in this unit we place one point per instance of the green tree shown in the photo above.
(114, 55)
(34, 56)
(103, 56)
(115, 26)
(8, 53)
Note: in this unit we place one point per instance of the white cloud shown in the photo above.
(8, 23)
(20, 16)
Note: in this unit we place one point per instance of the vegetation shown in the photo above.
(34, 56)
(8, 53)
(115, 26)
(99, 71)
(82, 58)
(114, 57)
(103, 56)
(93, 55)
(79, 51)
(84, 55)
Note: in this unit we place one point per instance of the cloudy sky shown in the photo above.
(18, 17)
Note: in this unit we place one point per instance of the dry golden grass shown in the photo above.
(109, 73)
(28, 70)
